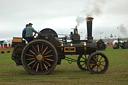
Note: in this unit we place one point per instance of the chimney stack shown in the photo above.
(89, 29)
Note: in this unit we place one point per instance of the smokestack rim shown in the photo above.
(89, 18)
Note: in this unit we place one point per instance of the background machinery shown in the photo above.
(118, 44)
(101, 45)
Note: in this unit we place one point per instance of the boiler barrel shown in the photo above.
(78, 48)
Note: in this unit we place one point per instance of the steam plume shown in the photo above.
(122, 29)
(93, 8)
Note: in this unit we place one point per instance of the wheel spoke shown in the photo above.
(102, 61)
(49, 59)
(41, 66)
(48, 52)
(100, 58)
(47, 63)
(30, 55)
(94, 59)
(97, 57)
(38, 48)
(82, 61)
(42, 47)
(37, 67)
(82, 64)
(45, 66)
(34, 49)
(97, 68)
(85, 66)
(32, 52)
(48, 56)
(30, 59)
(34, 64)
(44, 50)
(100, 67)
(31, 62)
(83, 57)
(92, 64)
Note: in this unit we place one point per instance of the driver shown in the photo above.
(29, 32)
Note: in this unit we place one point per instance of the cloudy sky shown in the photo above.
(62, 15)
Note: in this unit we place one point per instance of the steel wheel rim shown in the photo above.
(39, 57)
(98, 63)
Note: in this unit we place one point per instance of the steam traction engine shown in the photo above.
(101, 45)
(41, 55)
(123, 45)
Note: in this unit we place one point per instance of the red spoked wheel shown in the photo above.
(39, 57)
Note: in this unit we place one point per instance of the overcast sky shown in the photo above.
(61, 16)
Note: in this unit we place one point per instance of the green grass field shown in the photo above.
(68, 74)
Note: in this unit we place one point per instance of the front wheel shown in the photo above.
(39, 57)
(97, 63)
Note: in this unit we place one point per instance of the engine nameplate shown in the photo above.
(69, 49)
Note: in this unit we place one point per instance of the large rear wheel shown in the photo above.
(39, 57)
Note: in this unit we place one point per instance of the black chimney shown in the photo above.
(89, 29)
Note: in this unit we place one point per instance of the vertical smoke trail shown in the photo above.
(93, 8)
(96, 9)
(122, 29)
(80, 18)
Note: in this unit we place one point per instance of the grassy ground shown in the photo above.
(68, 74)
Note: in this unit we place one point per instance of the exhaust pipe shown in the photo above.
(89, 29)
